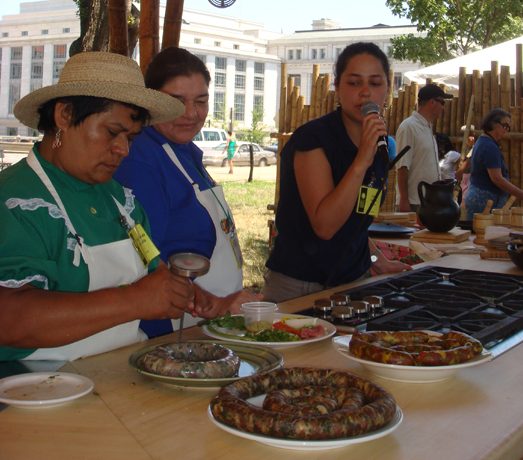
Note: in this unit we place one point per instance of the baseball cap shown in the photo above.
(432, 91)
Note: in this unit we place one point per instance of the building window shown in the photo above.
(59, 58)
(219, 105)
(298, 54)
(217, 44)
(16, 71)
(241, 65)
(259, 67)
(297, 79)
(197, 41)
(290, 55)
(235, 47)
(323, 55)
(16, 53)
(220, 79)
(5, 34)
(258, 83)
(314, 53)
(14, 94)
(337, 53)
(201, 57)
(37, 53)
(60, 51)
(45, 31)
(239, 107)
(220, 63)
(37, 70)
(239, 81)
(66, 30)
(25, 33)
(257, 103)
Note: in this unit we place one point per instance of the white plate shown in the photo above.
(308, 445)
(330, 330)
(410, 374)
(43, 389)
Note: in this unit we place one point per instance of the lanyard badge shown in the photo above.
(141, 242)
(369, 201)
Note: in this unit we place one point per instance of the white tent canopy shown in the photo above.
(448, 72)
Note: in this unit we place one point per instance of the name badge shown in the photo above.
(367, 197)
(143, 244)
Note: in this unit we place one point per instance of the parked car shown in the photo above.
(217, 156)
(210, 137)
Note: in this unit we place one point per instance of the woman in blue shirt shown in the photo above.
(489, 178)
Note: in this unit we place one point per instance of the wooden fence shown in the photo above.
(478, 93)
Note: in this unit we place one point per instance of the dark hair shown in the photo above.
(81, 108)
(493, 117)
(444, 144)
(355, 49)
(171, 63)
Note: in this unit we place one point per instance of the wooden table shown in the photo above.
(476, 415)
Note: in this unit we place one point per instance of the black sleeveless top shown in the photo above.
(297, 251)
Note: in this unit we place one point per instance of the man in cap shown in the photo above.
(420, 163)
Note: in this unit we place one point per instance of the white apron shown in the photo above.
(225, 274)
(109, 265)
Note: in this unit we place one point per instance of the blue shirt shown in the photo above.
(179, 223)
(486, 155)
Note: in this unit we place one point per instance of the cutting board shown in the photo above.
(456, 235)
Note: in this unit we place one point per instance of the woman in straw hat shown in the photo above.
(187, 209)
(72, 281)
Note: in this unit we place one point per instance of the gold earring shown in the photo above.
(57, 143)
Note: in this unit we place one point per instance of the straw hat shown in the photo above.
(100, 74)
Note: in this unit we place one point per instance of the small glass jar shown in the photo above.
(258, 316)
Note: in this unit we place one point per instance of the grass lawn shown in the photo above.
(248, 202)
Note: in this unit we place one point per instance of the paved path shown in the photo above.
(241, 173)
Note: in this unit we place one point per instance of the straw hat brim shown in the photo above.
(161, 106)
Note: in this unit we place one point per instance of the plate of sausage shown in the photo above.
(424, 365)
(288, 330)
(305, 409)
(201, 364)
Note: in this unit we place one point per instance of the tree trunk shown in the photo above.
(149, 31)
(119, 11)
(94, 27)
(172, 23)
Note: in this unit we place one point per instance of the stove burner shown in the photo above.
(488, 306)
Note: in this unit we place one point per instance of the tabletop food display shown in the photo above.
(279, 383)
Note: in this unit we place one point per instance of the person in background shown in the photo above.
(78, 270)
(489, 178)
(230, 148)
(448, 157)
(328, 167)
(463, 171)
(186, 208)
(420, 163)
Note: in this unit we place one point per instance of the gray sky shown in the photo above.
(286, 15)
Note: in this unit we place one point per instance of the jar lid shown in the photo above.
(189, 264)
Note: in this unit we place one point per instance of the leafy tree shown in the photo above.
(452, 28)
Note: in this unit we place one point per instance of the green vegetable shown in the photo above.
(229, 321)
(274, 335)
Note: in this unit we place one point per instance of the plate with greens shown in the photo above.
(288, 330)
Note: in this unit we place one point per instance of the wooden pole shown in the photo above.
(283, 99)
(118, 34)
(149, 31)
(494, 88)
(172, 23)
(519, 74)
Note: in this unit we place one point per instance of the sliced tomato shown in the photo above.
(312, 332)
(280, 325)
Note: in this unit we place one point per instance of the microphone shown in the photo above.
(397, 158)
(383, 149)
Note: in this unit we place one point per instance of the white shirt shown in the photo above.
(422, 158)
